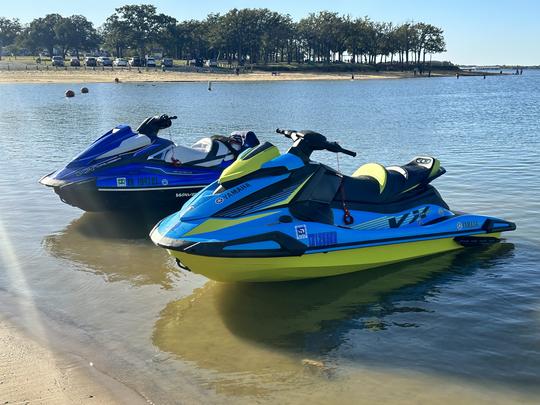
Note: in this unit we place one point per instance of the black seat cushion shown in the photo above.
(399, 182)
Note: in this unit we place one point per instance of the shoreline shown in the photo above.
(133, 76)
(31, 372)
(39, 364)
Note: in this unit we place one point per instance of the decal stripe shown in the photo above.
(151, 188)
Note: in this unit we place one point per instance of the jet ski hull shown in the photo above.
(312, 265)
(88, 197)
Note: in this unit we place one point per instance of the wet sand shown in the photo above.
(32, 373)
(107, 76)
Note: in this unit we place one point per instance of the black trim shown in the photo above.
(258, 149)
(490, 225)
(270, 171)
(439, 219)
(469, 241)
(289, 246)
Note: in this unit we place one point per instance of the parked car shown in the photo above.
(90, 61)
(135, 61)
(199, 62)
(167, 62)
(104, 61)
(120, 62)
(74, 62)
(211, 63)
(57, 61)
(150, 62)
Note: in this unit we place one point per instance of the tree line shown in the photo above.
(250, 35)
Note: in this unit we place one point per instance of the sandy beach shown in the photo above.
(105, 76)
(31, 373)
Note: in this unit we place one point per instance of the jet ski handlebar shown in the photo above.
(152, 125)
(309, 141)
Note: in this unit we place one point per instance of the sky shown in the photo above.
(478, 32)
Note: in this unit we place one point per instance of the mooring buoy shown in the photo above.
(84, 90)
(70, 93)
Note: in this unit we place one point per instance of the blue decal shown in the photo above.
(322, 239)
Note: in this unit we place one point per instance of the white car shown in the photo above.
(150, 62)
(120, 62)
(104, 61)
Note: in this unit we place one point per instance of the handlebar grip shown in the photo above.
(287, 132)
(348, 152)
(173, 117)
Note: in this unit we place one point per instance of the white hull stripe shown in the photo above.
(150, 188)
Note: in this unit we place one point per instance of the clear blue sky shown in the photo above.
(476, 31)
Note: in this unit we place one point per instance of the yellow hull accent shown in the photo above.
(311, 265)
(211, 225)
(243, 166)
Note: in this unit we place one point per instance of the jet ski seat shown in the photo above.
(210, 152)
(374, 183)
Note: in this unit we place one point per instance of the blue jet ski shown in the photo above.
(273, 217)
(127, 170)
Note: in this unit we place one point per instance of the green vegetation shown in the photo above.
(241, 36)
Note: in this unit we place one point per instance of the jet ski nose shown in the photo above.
(50, 180)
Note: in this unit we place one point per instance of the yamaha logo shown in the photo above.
(219, 200)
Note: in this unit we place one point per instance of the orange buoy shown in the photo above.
(70, 93)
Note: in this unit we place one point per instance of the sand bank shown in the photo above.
(108, 76)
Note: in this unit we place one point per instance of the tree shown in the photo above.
(114, 35)
(9, 29)
(434, 42)
(167, 33)
(257, 35)
(64, 31)
(41, 32)
(141, 22)
(84, 35)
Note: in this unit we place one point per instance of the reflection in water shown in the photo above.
(255, 330)
(114, 246)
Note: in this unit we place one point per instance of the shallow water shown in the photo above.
(470, 319)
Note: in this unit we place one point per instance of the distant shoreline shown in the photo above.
(133, 76)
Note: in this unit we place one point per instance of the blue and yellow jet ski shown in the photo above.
(273, 217)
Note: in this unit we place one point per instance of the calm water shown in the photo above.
(468, 320)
